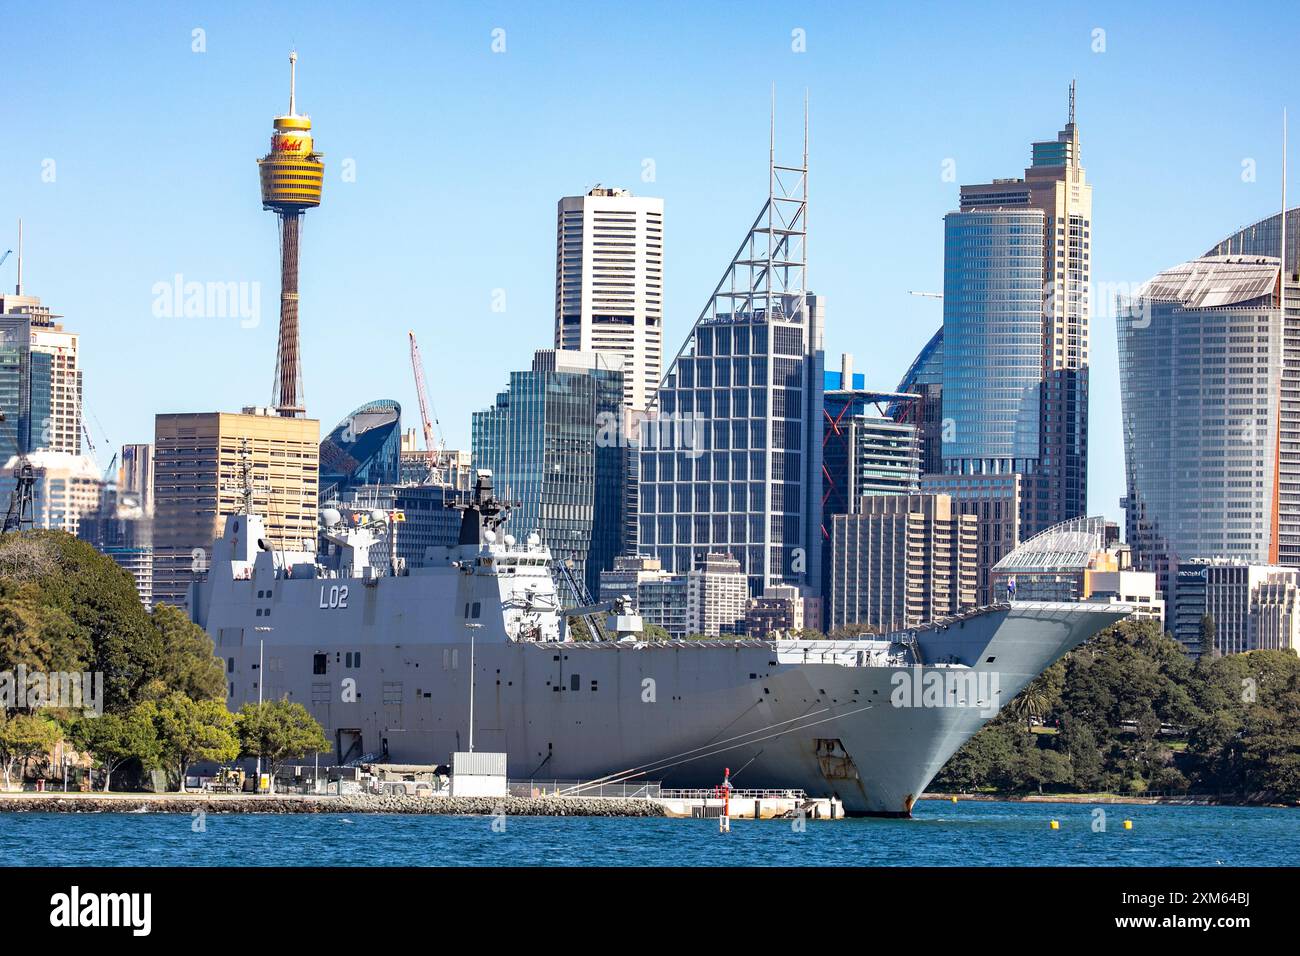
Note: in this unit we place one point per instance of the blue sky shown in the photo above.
(460, 154)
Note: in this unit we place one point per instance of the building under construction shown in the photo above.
(292, 174)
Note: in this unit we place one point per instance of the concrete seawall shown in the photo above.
(241, 803)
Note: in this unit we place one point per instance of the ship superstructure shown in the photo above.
(382, 660)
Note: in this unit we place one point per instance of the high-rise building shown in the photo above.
(292, 175)
(552, 447)
(1264, 238)
(40, 376)
(924, 378)
(717, 596)
(1202, 348)
(1017, 267)
(1274, 623)
(864, 450)
(994, 501)
(900, 560)
(123, 531)
(201, 463)
(67, 487)
(1227, 595)
(609, 255)
(731, 458)
(135, 476)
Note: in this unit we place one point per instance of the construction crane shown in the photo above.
(8, 253)
(928, 295)
(428, 418)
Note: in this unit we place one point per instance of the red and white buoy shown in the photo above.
(724, 821)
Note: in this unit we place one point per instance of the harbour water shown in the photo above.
(942, 834)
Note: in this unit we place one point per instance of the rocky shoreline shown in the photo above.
(544, 806)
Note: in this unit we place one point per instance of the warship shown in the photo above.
(397, 662)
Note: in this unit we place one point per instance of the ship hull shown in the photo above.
(790, 714)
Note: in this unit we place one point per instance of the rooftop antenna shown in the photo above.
(771, 145)
(1071, 102)
(805, 189)
(1282, 295)
(293, 69)
(18, 289)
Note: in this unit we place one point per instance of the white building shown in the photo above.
(1139, 588)
(1229, 593)
(609, 283)
(1274, 621)
(67, 487)
(717, 595)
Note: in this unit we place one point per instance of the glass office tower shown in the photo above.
(1264, 238)
(544, 440)
(1015, 341)
(1201, 353)
(993, 339)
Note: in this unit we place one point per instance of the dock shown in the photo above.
(749, 805)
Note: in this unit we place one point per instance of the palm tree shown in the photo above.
(1028, 704)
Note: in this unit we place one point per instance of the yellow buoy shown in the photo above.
(954, 799)
(1128, 824)
(1056, 825)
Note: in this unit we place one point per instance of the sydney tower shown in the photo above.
(292, 175)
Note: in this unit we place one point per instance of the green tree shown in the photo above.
(277, 731)
(1208, 645)
(189, 731)
(115, 739)
(23, 737)
(66, 607)
(653, 632)
(187, 663)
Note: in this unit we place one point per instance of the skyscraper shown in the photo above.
(609, 249)
(40, 376)
(1202, 352)
(1017, 266)
(551, 442)
(1264, 238)
(292, 175)
(731, 460)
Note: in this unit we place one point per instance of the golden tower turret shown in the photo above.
(292, 174)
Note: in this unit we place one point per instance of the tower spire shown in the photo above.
(293, 71)
(1072, 102)
(18, 289)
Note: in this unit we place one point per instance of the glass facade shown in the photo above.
(1264, 238)
(731, 464)
(541, 440)
(363, 449)
(925, 378)
(992, 338)
(1201, 360)
(26, 390)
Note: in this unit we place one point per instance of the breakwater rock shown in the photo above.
(355, 803)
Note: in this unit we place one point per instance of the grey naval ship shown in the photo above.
(381, 656)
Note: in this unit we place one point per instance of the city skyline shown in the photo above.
(378, 234)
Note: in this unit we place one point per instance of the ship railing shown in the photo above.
(714, 793)
(644, 789)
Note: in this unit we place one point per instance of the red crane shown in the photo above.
(428, 418)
